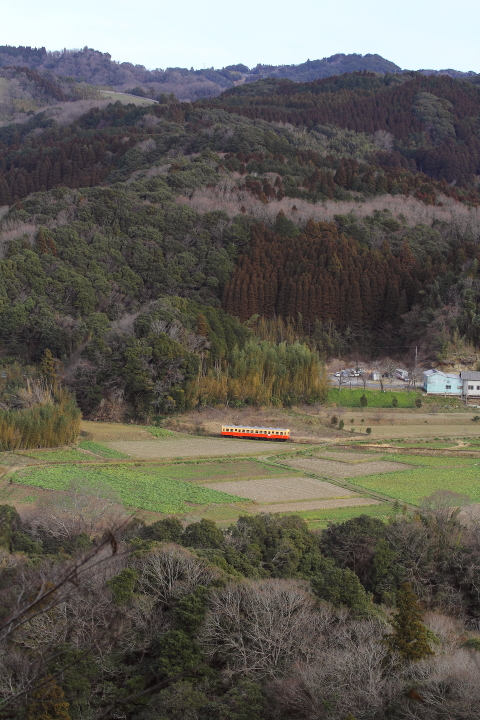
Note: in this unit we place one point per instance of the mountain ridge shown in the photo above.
(97, 68)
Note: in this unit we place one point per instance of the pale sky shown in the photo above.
(414, 34)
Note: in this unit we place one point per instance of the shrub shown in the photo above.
(334, 420)
(341, 425)
(418, 402)
(368, 431)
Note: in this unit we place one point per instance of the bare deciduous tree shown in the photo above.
(262, 627)
(171, 571)
(350, 675)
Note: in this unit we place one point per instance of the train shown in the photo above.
(257, 433)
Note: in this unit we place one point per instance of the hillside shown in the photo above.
(164, 252)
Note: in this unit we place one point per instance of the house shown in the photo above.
(436, 382)
(471, 383)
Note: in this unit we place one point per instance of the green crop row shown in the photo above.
(100, 450)
(132, 486)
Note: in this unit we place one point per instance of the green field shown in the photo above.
(136, 487)
(412, 486)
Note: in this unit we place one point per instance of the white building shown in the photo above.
(471, 383)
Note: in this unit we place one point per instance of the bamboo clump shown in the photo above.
(48, 424)
(265, 373)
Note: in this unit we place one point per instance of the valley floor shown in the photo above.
(329, 475)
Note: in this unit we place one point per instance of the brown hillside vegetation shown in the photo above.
(322, 275)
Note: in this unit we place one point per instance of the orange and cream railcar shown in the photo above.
(261, 433)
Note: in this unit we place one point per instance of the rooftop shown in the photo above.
(470, 375)
(453, 376)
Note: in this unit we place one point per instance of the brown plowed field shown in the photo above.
(330, 468)
(314, 505)
(282, 489)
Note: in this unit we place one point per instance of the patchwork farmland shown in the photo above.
(155, 473)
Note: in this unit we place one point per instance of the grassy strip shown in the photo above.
(133, 487)
(100, 450)
(375, 398)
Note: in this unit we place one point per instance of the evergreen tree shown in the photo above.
(409, 637)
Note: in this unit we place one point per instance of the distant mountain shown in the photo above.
(97, 68)
(327, 67)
